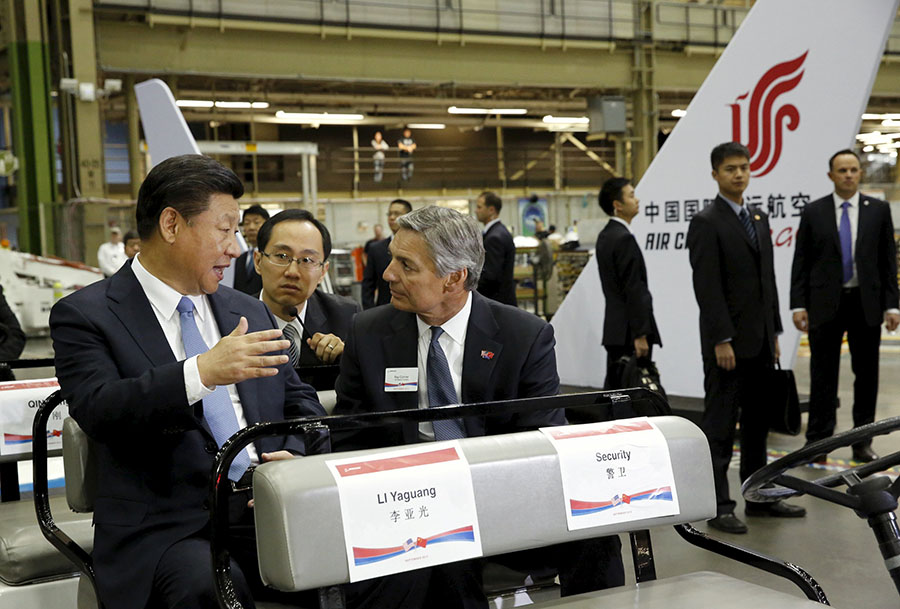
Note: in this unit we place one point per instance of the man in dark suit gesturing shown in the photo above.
(133, 364)
(375, 290)
(496, 281)
(292, 260)
(628, 325)
(734, 283)
(461, 348)
(246, 279)
(844, 278)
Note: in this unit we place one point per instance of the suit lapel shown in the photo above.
(731, 219)
(401, 351)
(315, 320)
(864, 225)
(128, 302)
(482, 352)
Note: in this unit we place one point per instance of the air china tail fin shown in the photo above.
(166, 130)
(792, 86)
(168, 135)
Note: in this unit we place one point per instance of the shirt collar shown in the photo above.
(162, 296)
(734, 206)
(854, 200)
(301, 315)
(621, 221)
(455, 327)
(488, 226)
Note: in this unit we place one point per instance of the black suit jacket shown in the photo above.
(12, 339)
(523, 364)
(623, 275)
(734, 283)
(817, 272)
(379, 257)
(155, 451)
(328, 314)
(496, 280)
(246, 281)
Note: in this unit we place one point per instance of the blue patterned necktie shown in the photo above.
(440, 389)
(290, 333)
(217, 407)
(846, 242)
(748, 226)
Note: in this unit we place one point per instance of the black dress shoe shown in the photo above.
(728, 523)
(778, 509)
(864, 454)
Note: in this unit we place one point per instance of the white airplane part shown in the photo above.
(168, 135)
(791, 85)
(166, 130)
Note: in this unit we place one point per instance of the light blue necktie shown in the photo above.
(217, 407)
(440, 389)
(846, 242)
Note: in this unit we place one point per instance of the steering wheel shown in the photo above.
(873, 498)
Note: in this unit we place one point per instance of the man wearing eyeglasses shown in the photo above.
(292, 260)
(375, 290)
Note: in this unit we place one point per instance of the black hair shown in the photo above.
(492, 199)
(839, 153)
(255, 210)
(727, 150)
(185, 183)
(402, 202)
(132, 234)
(612, 191)
(299, 215)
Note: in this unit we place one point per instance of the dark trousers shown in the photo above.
(450, 586)
(825, 364)
(184, 575)
(732, 396)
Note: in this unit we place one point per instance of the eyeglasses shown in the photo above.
(306, 262)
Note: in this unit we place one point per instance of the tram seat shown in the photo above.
(518, 490)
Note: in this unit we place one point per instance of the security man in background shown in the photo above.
(375, 290)
(246, 279)
(844, 279)
(496, 281)
(629, 326)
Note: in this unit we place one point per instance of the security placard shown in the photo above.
(19, 401)
(614, 472)
(407, 509)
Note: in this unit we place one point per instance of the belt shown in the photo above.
(245, 483)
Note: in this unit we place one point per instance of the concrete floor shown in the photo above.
(834, 545)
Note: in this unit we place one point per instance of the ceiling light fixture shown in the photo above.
(242, 105)
(510, 111)
(194, 103)
(566, 120)
(880, 117)
(320, 118)
(426, 126)
(678, 112)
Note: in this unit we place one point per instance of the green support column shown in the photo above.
(643, 97)
(32, 125)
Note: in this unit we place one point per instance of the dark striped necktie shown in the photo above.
(440, 388)
(290, 333)
(748, 226)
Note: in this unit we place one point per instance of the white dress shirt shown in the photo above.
(164, 302)
(453, 342)
(111, 257)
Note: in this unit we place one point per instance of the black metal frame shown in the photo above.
(56, 536)
(220, 488)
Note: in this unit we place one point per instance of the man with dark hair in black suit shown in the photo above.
(490, 352)
(375, 290)
(292, 260)
(246, 279)
(844, 279)
(496, 281)
(628, 325)
(160, 366)
(734, 283)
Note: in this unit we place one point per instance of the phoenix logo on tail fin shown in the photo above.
(765, 131)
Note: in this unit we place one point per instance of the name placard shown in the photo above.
(614, 472)
(407, 509)
(19, 401)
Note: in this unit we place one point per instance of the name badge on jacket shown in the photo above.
(401, 379)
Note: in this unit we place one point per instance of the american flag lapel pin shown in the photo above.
(487, 354)
(756, 217)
